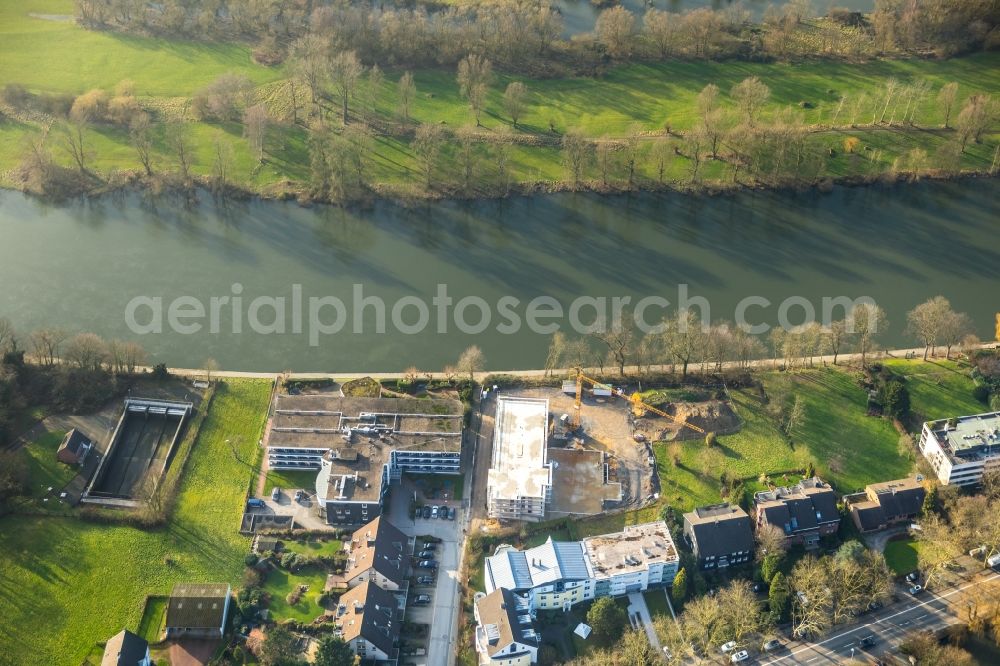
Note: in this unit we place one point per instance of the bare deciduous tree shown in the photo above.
(471, 361)
(750, 94)
(427, 143)
(514, 98)
(345, 70)
(255, 125)
(475, 74)
(407, 90)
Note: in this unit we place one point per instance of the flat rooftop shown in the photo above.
(322, 421)
(714, 513)
(970, 435)
(634, 549)
(519, 467)
(579, 482)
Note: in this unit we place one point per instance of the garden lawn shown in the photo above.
(82, 582)
(938, 388)
(656, 602)
(314, 547)
(901, 555)
(44, 471)
(280, 583)
(153, 618)
(290, 480)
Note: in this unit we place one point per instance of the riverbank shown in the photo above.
(630, 371)
(824, 121)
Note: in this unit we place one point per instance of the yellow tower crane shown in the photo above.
(637, 404)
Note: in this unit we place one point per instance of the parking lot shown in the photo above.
(441, 613)
(303, 512)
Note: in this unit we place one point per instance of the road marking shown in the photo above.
(812, 646)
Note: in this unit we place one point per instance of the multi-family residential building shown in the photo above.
(519, 484)
(379, 553)
(721, 535)
(961, 449)
(886, 504)
(560, 574)
(505, 630)
(359, 446)
(369, 618)
(804, 512)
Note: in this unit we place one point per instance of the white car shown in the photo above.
(728, 647)
(742, 655)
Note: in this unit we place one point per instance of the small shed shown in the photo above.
(582, 630)
(74, 448)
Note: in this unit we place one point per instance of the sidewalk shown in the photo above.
(637, 606)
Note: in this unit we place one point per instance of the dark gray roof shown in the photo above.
(800, 508)
(870, 515)
(719, 529)
(74, 441)
(124, 649)
(898, 499)
(380, 617)
(197, 606)
(381, 545)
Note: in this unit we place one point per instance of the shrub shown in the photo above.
(981, 393)
(710, 439)
(90, 106)
(251, 559)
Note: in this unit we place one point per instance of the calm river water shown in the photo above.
(80, 265)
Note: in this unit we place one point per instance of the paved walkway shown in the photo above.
(637, 606)
(842, 359)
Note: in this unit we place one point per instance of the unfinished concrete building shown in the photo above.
(519, 484)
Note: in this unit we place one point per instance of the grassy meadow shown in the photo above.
(83, 582)
(43, 50)
(848, 448)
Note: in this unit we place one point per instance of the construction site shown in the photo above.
(598, 443)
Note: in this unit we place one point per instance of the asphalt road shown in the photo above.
(890, 626)
(441, 613)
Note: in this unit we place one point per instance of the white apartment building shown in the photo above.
(961, 449)
(560, 574)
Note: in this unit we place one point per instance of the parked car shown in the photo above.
(422, 600)
(425, 580)
(434, 511)
(428, 545)
(255, 503)
(742, 655)
(300, 495)
(728, 647)
(772, 645)
(916, 589)
(867, 641)
(913, 576)
(875, 605)
(427, 512)
(451, 513)
(424, 554)
(427, 564)
(275, 494)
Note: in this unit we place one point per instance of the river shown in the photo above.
(80, 265)
(580, 16)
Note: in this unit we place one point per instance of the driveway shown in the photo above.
(192, 652)
(637, 607)
(442, 613)
(879, 540)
